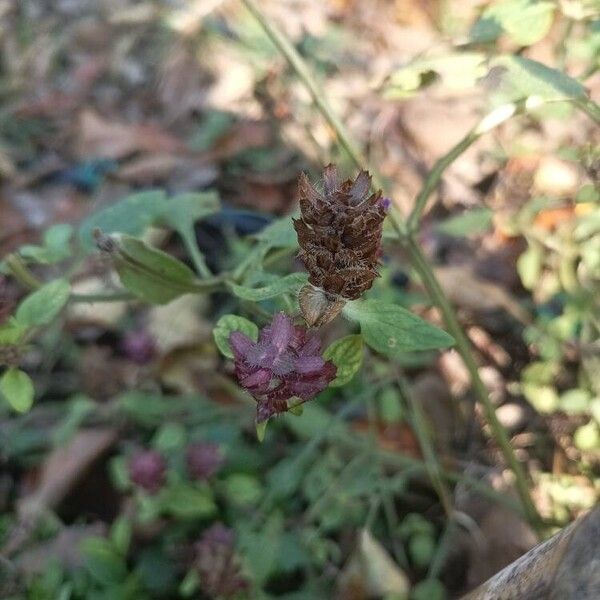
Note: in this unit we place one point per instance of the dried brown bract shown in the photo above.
(339, 233)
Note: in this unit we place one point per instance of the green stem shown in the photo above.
(387, 502)
(297, 63)
(590, 108)
(117, 296)
(421, 428)
(435, 175)
(189, 240)
(21, 273)
(463, 345)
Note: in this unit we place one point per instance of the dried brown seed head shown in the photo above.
(339, 233)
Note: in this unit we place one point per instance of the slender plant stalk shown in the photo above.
(434, 177)
(463, 345)
(196, 256)
(590, 108)
(419, 260)
(387, 501)
(21, 273)
(297, 63)
(117, 296)
(420, 426)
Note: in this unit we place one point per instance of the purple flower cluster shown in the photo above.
(285, 362)
(203, 460)
(217, 564)
(148, 470)
(139, 346)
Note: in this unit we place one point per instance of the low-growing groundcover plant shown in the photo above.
(207, 511)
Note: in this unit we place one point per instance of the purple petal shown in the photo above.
(306, 389)
(282, 330)
(311, 347)
(258, 378)
(309, 364)
(283, 364)
(262, 355)
(240, 343)
(265, 409)
(360, 187)
(385, 203)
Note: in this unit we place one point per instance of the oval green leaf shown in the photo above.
(17, 387)
(522, 78)
(228, 324)
(41, 306)
(151, 274)
(393, 330)
(132, 215)
(347, 355)
(102, 561)
(187, 501)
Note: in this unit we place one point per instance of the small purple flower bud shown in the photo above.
(386, 204)
(203, 460)
(217, 564)
(138, 346)
(148, 470)
(285, 362)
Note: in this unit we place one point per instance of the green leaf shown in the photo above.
(523, 78)
(183, 210)
(422, 548)
(120, 534)
(132, 215)
(41, 306)
(428, 589)
(169, 437)
(102, 561)
(529, 266)
(474, 221)
(56, 246)
(242, 490)
(347, 355)
(11, 332)
(456, 70)
(524, 21)
(17, 388)
(187, 501)
(575, 401)
(290, 283)
(393, 330)
(587, 437)
(151, 274)
(226, 325)
(542, 397)
(279, 234)
(261, 430)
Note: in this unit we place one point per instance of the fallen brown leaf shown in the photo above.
(100, 137)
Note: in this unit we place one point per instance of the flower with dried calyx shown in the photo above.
(339, 233)
(284, 363)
